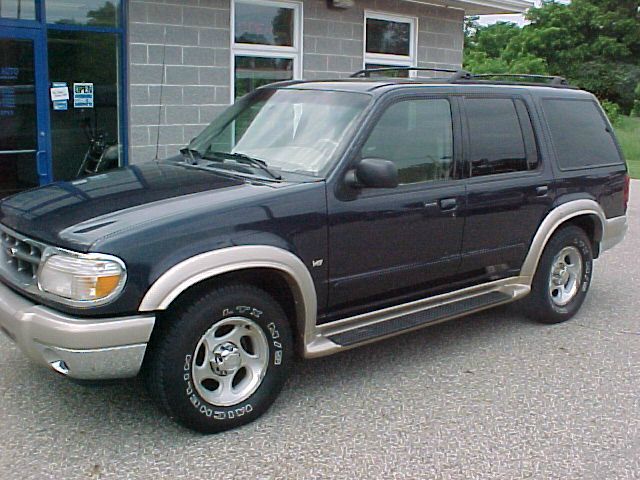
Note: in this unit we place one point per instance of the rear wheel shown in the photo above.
(563, 277)
(221, 362)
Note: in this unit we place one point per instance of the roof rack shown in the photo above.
(366, 73)
(553, 79)
(463, 76)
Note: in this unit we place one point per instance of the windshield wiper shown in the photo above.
(247, 160)
(192, 153)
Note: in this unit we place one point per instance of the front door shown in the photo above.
(387, 245)
(23, 108)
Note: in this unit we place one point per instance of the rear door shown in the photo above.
(389, 244)
(509, 188)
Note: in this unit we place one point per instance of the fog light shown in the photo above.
(60, 366)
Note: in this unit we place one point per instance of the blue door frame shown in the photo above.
(36, 30)
(43, 163)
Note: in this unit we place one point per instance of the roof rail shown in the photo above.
(366, 73)
(463, 76)
(553, 79)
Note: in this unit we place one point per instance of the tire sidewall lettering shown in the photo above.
(235, 411)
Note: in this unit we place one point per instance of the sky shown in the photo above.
(519, 19)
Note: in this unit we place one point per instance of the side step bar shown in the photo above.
(422, 318)
(332, 337)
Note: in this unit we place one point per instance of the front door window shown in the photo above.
(18, 120)
(417, 136)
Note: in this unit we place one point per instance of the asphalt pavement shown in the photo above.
(492, 395)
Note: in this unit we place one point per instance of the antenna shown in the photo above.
(162, 80)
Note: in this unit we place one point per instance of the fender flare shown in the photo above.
(207, 265)
(550, 224)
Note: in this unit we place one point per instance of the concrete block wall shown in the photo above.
(333, 39)
(197, 82)
(193, 36)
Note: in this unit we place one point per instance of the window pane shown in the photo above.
(497, 144)
(384, 36)
(253, 72)
(579, 134)
(388, 73)
(72, 60)
(263, 24)
(83, 12)
(18, 9)
(18, 143)
(416, 135)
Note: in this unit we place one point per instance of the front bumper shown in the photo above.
(87, 349)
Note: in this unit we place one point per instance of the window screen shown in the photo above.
(579, 134)
(497, 141)
(417, 135)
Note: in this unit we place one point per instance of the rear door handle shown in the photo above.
(542, 190)
(448, 204)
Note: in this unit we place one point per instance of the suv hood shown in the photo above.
(76, 214)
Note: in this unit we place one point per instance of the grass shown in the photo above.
(628, 133)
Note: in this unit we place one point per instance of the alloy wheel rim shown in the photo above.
(566, 276)
(230, 361)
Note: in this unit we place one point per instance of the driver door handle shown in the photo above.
(542, 190)
(448, 204)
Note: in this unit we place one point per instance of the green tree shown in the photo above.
(487, 50)
(594, 43)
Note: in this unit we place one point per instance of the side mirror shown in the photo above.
(373, 173)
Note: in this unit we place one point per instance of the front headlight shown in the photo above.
(81, 278)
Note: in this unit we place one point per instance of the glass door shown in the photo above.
(23, 109)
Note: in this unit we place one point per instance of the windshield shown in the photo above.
(290, 130)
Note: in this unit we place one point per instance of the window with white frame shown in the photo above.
(390, 41)
(266, 43)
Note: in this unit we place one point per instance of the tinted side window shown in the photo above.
(417, 135)
(497, 141)
(579, 133)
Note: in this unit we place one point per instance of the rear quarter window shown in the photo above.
(580, 135)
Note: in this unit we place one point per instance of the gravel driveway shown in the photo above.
(488, 396)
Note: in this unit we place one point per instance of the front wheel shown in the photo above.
(563, 277)
(223, 360)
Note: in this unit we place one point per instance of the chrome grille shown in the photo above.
(19, 257)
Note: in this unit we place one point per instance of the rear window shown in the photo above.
(580, 134)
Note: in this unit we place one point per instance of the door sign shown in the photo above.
(59, 91)
(59, 95)
(83, 95)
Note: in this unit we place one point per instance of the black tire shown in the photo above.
(169, 375)
(539, 305)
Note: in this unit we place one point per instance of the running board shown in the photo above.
(346, 333)
(422, 318)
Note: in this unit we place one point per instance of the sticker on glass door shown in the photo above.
(83, 95)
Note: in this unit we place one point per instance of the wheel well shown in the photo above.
(592, 226)
(271, 281)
